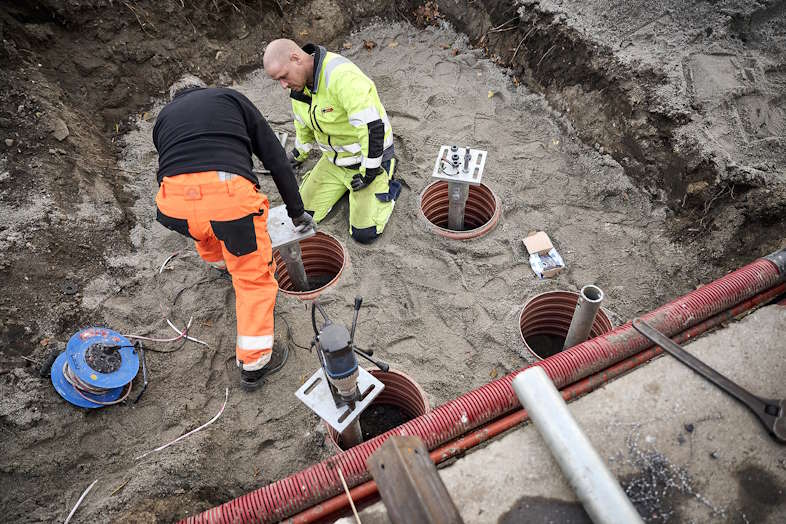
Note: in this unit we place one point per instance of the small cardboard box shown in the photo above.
(538, 242)
(543, 258)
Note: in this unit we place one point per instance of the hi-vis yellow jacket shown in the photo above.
(342, 113)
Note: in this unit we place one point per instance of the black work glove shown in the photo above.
(360, 181)
(304, 222)
(292, 159)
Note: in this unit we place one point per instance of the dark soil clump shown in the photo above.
(379, 418)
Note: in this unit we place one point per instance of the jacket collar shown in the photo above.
(319, 53)
(187, 90)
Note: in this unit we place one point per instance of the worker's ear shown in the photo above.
(295, 57)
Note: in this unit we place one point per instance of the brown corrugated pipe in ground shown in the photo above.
(480, 215)
(324, 258)
(545, 319)
(401, 400)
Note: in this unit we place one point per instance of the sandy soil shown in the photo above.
(444, 312)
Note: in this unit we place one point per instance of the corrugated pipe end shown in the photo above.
(401, 392)
(480, 215)
(324, 259)
(545, 320)
(779, 259)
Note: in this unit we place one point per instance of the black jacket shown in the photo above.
(217, 129)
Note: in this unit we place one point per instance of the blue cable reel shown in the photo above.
(96, 369)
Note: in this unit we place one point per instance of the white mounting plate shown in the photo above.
(281, 229)
(282, 137)
(320, 400)
(443, 169)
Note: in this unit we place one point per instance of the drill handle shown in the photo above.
(358, 303)
(384, 366)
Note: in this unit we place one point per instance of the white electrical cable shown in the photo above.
(183, 333)
(181, 437)
(163, 266)
(180, 334)
(78, 502)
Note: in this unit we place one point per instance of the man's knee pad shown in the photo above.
(365, 235)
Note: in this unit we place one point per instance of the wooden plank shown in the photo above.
(409, 484)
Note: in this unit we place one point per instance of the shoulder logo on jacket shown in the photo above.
(328, 109)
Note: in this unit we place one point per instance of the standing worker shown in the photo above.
(208, 192)
(337, 106)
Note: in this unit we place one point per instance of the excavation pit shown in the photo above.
(545, 319)
(401, 401)
(445, 299)
(324, 259)
(480, 215)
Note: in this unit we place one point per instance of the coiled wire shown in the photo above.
(81, 388)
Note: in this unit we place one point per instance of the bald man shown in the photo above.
(337, 107)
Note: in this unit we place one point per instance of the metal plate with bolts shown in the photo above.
(315, 393)
(444, 170)
(281, 229)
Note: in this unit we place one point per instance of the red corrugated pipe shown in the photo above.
(492, 429)
(290, 495)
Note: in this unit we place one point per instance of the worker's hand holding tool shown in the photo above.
(293, 162)
(304, 222)
(359, 181)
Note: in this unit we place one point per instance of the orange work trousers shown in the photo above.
(227, 218)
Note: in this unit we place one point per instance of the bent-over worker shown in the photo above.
(207, 191)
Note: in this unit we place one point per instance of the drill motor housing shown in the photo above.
(334, 346)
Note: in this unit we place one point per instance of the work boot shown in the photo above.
(251, 380)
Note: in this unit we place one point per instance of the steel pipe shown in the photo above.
(293, 259)
(481, 213)
(595, 486)
(324, 258)
(550, 313)
(457, 194)
(587, 307)
(353, 435)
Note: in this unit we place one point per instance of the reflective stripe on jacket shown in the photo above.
(342, 113)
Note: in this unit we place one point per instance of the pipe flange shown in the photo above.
(779, 259)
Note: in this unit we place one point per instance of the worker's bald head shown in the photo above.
(287, 63)
(279, 51)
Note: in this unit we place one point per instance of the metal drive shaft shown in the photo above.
(457, 195)
(293, 258)
(353, 435)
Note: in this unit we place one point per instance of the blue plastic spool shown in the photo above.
(83, 340)
(68, 392)
(75, 355)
